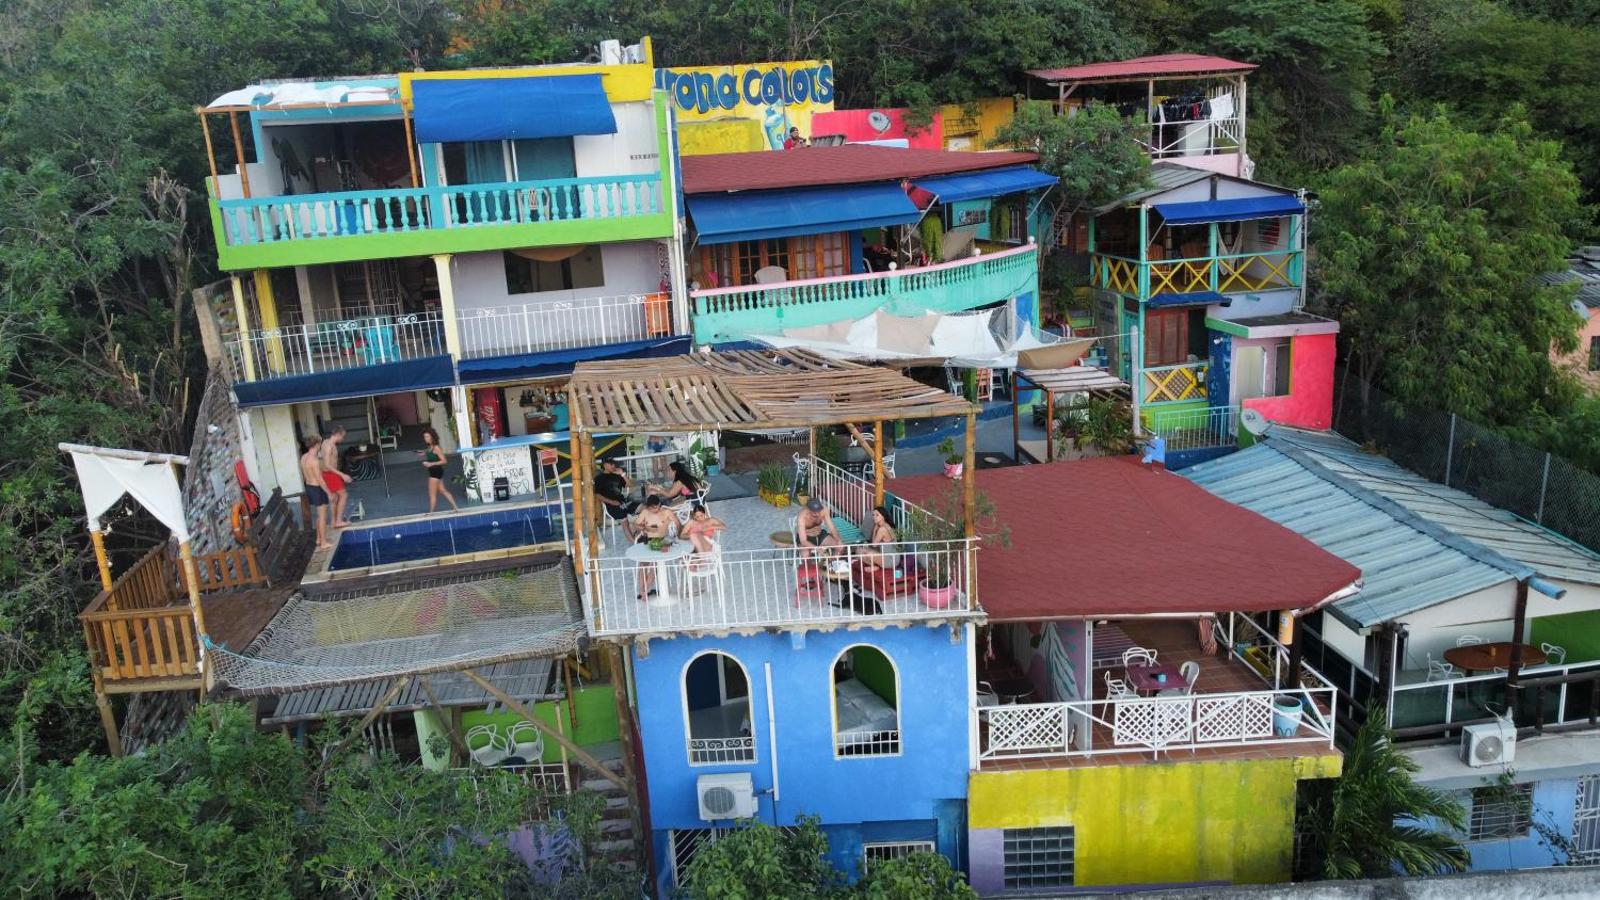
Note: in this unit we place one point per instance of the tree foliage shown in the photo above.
(1095, 153)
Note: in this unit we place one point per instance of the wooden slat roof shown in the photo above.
(745, 388)
(1073, 378)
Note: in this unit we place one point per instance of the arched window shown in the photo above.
(866, 703)
(716, 697)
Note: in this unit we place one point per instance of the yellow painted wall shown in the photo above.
(623, 83)
(768, 97)
(1220, 820)
(721, 136)
(973, 126)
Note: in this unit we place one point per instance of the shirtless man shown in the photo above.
(316, 494)
(816, 532)
(334, 480)
(654, 521)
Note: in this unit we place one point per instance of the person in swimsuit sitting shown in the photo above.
(335, 480)
(655, 522)
(677, 492)
(702, 528)
(877, 553)
(316, 494)
(434, 459)
(815, 531)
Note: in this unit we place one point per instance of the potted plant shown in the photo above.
(1095, 427)
(773, 485)
(952, 460)
(944, 519)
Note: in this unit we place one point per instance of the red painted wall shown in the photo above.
(852, 123)
(1309, 403)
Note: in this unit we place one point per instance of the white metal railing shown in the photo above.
(1199, 137)
(548, 777)
(1155, 724)
(867, 743)
(1463, 698)
(1198, 429)
(563, 324)
(780, 586)
(847, 495)
(1253, 646)
(333, 346)
(716, 751)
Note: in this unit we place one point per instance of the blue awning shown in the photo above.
(361, 381)
(1195, 298)
(560, 362)
(752, 215)
(1235, 210)
(493, 109)
(993, 183)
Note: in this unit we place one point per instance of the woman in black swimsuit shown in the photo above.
(433, 459)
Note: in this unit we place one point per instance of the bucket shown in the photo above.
(1286, 713)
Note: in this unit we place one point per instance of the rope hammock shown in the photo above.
(320, 643)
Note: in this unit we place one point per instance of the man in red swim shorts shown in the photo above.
(335, 480)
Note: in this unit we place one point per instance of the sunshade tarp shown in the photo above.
(724, 218)
(993, 183)
(362, 381)
(1236, 210)
(493, 109)
(967, 339)
(1170, 299)
(105, 479)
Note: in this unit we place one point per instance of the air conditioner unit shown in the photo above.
(1492, 743)
(726, 796)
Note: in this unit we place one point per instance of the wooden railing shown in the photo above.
(1223, 274)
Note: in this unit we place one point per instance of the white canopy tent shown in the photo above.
(991, 338)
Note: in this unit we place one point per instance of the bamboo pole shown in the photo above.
(108, 719)
(578, 486)
(586, 444)
(969, 477)
(583, 756)
(372, 714)
(238, 151)
(1049, 425)
(211, 154)
(877, 464)
(99, 542)
(411, 148)
(1016, 419)
(456, 740)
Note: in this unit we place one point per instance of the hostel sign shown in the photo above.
(772, 96)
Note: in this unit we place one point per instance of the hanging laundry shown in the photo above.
(1221, 107)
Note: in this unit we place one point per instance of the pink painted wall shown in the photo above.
(1578, 362)
(1309, 403)
(852, 123)
(402, 406)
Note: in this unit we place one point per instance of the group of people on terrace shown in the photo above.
(327, 483)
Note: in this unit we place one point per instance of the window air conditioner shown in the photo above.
(1489, 744)
(726, 796)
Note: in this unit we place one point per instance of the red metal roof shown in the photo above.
(845, 164)
(1144, 67)
(1108, 537)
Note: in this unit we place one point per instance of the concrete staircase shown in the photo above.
(615, 842)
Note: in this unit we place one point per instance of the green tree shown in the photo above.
(1375, 820)
(758, 862)
(1095, 153)
(1430, 250)
(920, 876)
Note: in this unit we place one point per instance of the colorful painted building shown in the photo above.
(1584, 270)
(826, 234)
(1209, 271)
(744, 108)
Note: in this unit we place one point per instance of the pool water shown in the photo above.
(448, 536)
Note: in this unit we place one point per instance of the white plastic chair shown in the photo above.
(527, 742)
(1117, 689)
(771, 275)
(1554, 655)
(1468, 640)
(1191, 673)
(486, 745)
(986, 695)
(703, 568)
(1439, 669)
(1138, 656)
(686, 509)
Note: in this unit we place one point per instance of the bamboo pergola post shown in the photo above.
(411, 148)
(1049, 425)
(108, 719)
(877, 464)
(211, 152)
(969, 477)
(99, 542)
(238, 152)
(586, 445)
(579, 488)
(582, 755)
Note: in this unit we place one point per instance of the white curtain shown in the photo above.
(104, 479)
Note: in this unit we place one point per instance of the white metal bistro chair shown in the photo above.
(1554, 655)
(1439, 670)
(527, 742)
(487, 746)
(686, 509)
(986, 695)
(1141, 656)
(1116, 689)
(703, 569)
(1191, 673)
(1468, 640)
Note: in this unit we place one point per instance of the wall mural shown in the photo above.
(731, 109)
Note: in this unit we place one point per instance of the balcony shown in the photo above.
(323, 347)
(1174, 384)
(563, 325)
(1551, 695)
(1182, 141)
(1232, 274)
(726, 314)
(1203, 428)
(1229, 710)
(760, 580)
(310, 229)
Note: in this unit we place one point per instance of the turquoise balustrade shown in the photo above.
(726, 314)
(266, 220)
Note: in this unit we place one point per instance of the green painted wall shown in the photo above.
(1150, 823)
(597, 722)
(1578, 633)
(874, 670)
(1154, 416)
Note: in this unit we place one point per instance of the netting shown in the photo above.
(501, 617)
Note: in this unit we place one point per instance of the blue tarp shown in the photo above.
(362, 381)
(560, 362)
(993, 183)
(492, 109)
(1235, 210)
(1194, 298)
(752, 215)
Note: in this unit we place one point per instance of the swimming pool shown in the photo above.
(380, 544)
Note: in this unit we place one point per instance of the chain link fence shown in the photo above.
(1446, 448)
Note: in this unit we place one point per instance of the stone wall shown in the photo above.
(210, 487)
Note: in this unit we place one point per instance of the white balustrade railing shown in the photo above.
(847, 495)
(1154, 724)
(332, 346)
(562, 324)
(720, 750)
(1198, 429)
(867, 743)
(1200, 137)
(782, 586)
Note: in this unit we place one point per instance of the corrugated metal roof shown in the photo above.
(1144, 67)
(1404, 568)
(1586, 273)
(1489, 526)
(1164, 176)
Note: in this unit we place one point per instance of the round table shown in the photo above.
(1011, 690)
(644, 556)
(1488, 657)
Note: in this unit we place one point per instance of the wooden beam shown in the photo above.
(1016, 419)
(583, 756)
(211, 154)
(411, 149)
(108, 720)
(372, 714)
(238, 151)
(1519, 621)
(99, 542)
(877, 464)
(625, 737)
(1049, 426)
(969, 476)
(579, 483)
(456, 740)
(590, 510)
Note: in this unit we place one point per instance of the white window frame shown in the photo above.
(744, 751)
(884, 851)
(897, 738)
(1018, 875)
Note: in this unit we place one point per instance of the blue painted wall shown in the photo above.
(919, 794)
(1553, 803)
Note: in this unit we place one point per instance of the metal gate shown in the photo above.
(1586, 822)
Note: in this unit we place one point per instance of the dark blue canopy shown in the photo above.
(993, 183)
(752, 215)
(492, 109)
(1236, 210)
(1195, 298)
(361, 381)
(560, 362)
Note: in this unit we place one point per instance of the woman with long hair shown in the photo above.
(434, 459)
(877, 554)
(683, 486)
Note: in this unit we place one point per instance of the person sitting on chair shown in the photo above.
(702, 528)
(815, 530)
(655, 522)
(877, 553)
(682, 487)
(612, 487)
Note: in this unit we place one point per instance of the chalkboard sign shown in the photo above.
(514, 464)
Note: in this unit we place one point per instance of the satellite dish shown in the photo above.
(878, 121)
(1254, 422)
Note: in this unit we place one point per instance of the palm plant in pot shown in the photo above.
(943, 519)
